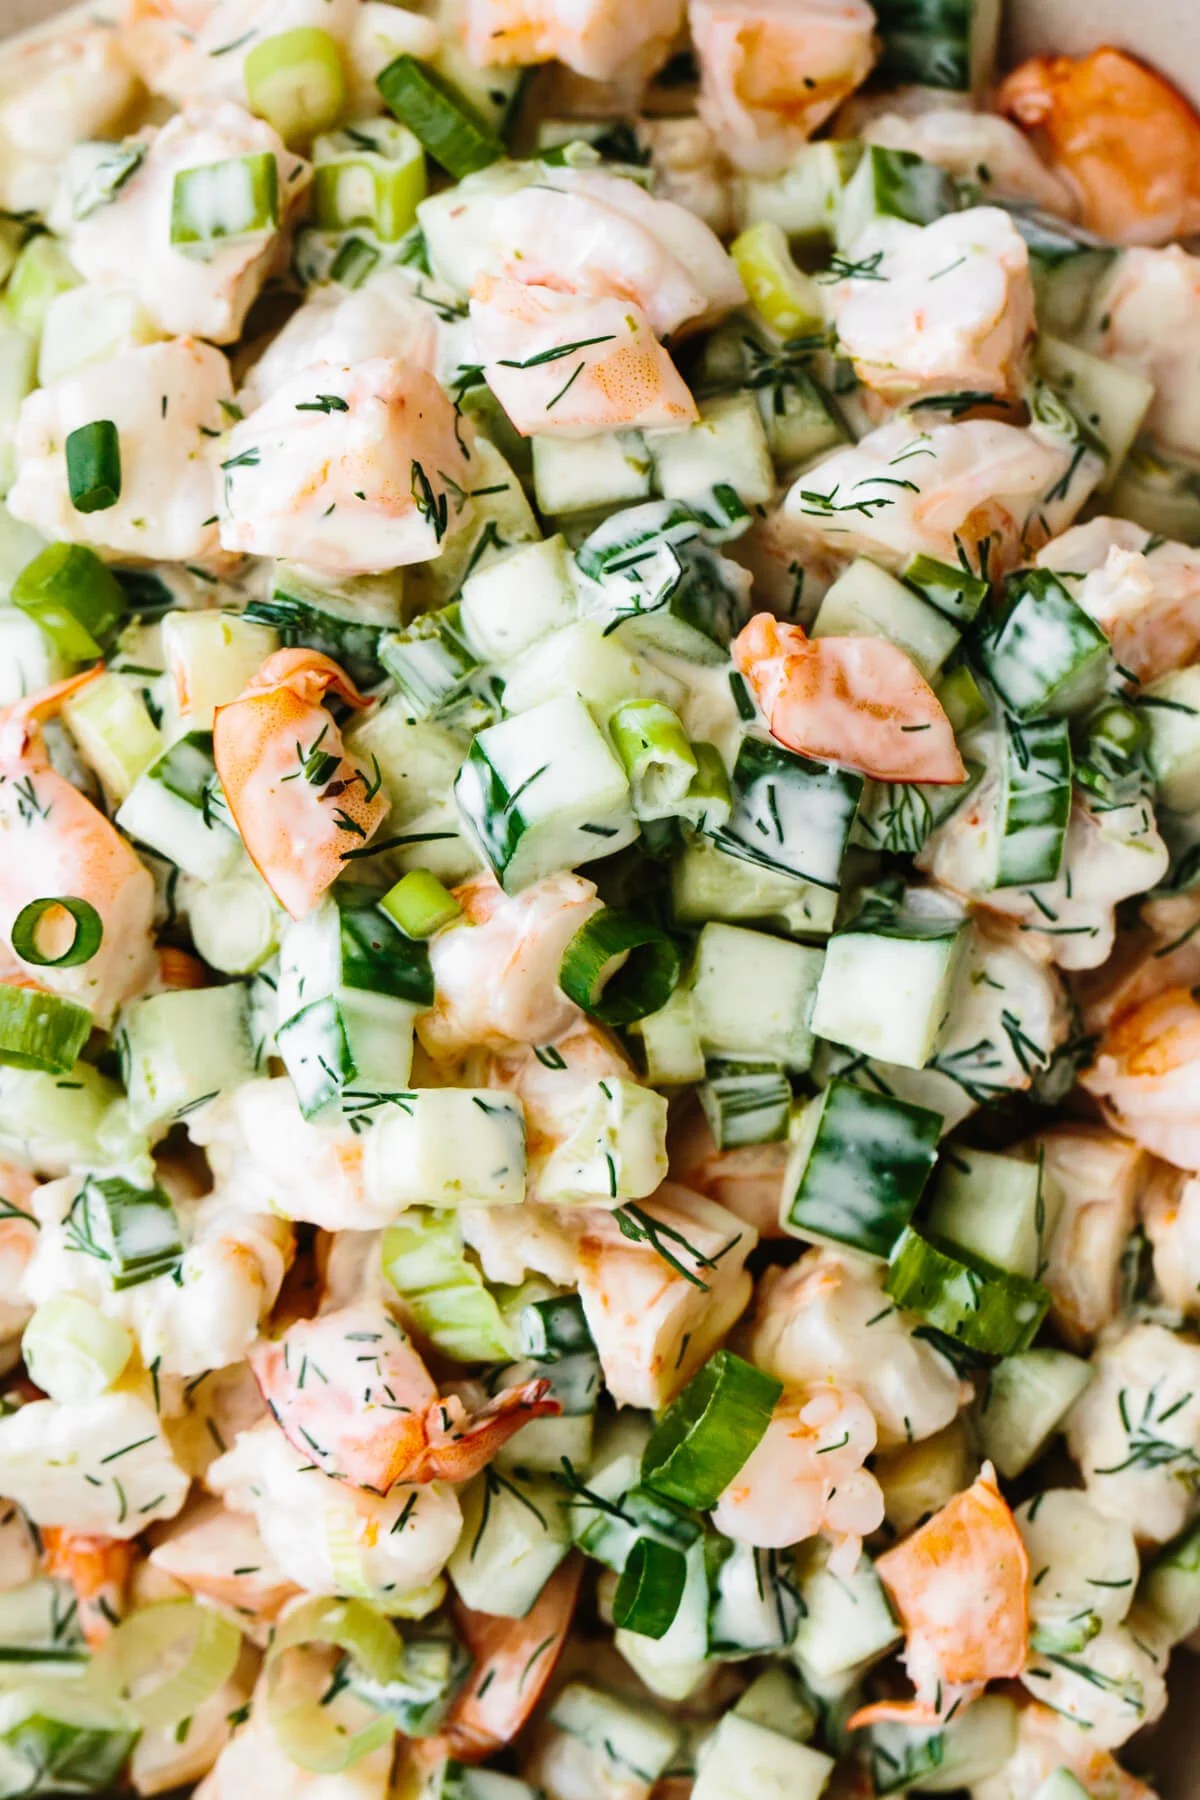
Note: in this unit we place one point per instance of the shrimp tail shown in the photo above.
(459, 1445)
(20, 723)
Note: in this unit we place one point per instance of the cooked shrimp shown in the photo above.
(197, 49)
(297, 831)
(1110, 1688)
(58, 90)
(975, 147)
(383, 318)
(960, 1586)
(1143, 592)
(772, 71)
(1046, 1742)
(329, 1537)
(56, 842)
(98, 1568)
(255, 1762)
(657, 1313)
(857, 701)
(349, 470)
(1146, 1074)
(50, 1454)
(901, 491)
(496, 970)
(1170, 1212)
(128, 239)
(689, 169)
(1125, 138)
(1135, 1431)
(826, 1319)
(1148, 314)
(219, 1555)
(165, 401)
(1067, 1538)
(806, 1475)
(349, 1389)
(572, 367)
(938, 308)
(1092, 1179)
(606, 40)
(747, 1181)
(514, 1660)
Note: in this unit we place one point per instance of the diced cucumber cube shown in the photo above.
(996, 1207)
(706, 883)
(573, 475)
(1033, 801)
(600, 668)
(1170, 1585)
(113, 732)
(671, 1043)
(799, 418)
(345, 1049)
(176, 809)
(29, 661)
(181, 1049)
(975, 1744)
(513, 1538)
(893, 184)
(1061, 1785)
(1172, 710)
(746, 1101)
(887, 994)
(845, 1620)
(745, 1761)
(512, 602)
(1160, 491)
(804, 199)
(776, 1699)
(790, 815)
(447, 1147)
(1044, 654)
(939, 44)
(726, 444)
(753, 1610)
(1026, 1402)
(235, 922)
(983, 1308)
(868, 602)
(900, 816)
(543, 792)
(1110, 397)
(631, 1743)
(675, 1664)
(617, 1150)
(752, 995)
(210, 657)
(859, 1167)
(949, 587)
(87, 325)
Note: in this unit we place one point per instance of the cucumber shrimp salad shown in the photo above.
(599, 903)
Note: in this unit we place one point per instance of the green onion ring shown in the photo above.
(138, 1646)
(311, 1734)
(709, 1431)
(640, 986)
(650, 1589)
(89, 930)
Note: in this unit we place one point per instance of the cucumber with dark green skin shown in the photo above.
(861, 1166)
(1043, 654)
(430, 660)
(986, 1310)
(350, 642)
(753, 1605)
(1035, 801)
(790, 814)
(745, 1102)
(955, 591)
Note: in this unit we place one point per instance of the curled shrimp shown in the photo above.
(298, 801)
(574, 365)
(348, 1389)
(1125, 138)
(98, 1568)
(1147, 314)
(601, 39)
(857, 701)
(496, 971)
(960, 1586)
(53, 841)
(57, 90)
(806, 1475)
(1147, 1076)
(1047, 1743)
(772, 71)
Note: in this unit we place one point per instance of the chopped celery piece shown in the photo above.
(787, 298)
(420, 905)
(236, 198)
(368, 176)
(294, 81)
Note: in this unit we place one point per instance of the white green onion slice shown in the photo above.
(41, 1031)
(659, 761)
(85, 940)
(74, 597)
(316, 1737)
(164, 1661)
(450, 129)
(420, 905)
(93, 454)
(709, 1430)
(650, 1589)
(294, 81)
(619, 967)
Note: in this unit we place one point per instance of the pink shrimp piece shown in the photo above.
(573, 366)
(600, 39)
(747, 1181)
(348, 1390)
(219, 1554)
(856, 701)
(98, 1568)
(960, 1586)
(806, 1475)
(53, 841)
(297, 832)
(1147, 1076)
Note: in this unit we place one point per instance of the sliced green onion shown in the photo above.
(72, 1351)
(640, 983)
(709, 799)
(134, 1230)
(658, 759)
(57, 1736)
(93, 454)
(708, 1432)
(314, 1736)
(553, 1328)
(85, 941)
(420, 905)
(74, 597)
(982, 1308)
(294, 81)
(371, 175)
(146, 1645)
(650, 1589)
(219, 201)
(101, 173)
(448, 126)
(442, 1290)
(952, 589)
(41, 1031)
(353, 263)
(746, 1101)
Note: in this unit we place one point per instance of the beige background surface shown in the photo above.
(1165, 32)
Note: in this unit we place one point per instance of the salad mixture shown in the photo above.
(599, 903)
